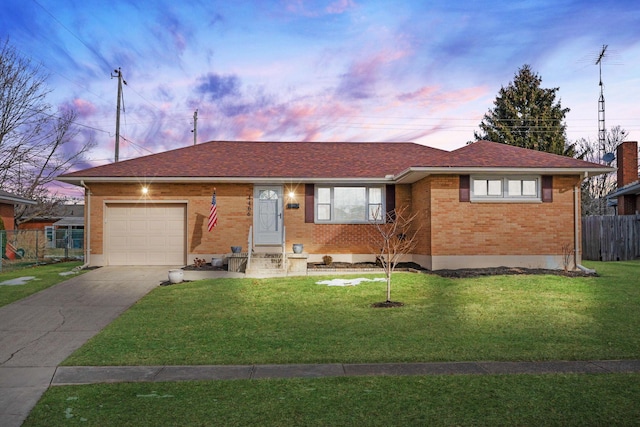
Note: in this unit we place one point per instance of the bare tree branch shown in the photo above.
(392, 239)
(36, 145)
(596, 189)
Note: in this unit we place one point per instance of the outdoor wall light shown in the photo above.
(292, 195)
(145, 190)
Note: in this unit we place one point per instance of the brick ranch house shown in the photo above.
(483, 205)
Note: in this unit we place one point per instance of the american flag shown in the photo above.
(213, 213)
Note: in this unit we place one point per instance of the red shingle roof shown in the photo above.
(274, 159)
(495, 155)
(317, 160)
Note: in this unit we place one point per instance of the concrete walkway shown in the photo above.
(38, 332)
(71, 375)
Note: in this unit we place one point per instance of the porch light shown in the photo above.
(145, 190)
(292, 195)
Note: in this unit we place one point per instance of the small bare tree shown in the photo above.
(393, 239)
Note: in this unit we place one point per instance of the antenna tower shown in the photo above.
(602, 132)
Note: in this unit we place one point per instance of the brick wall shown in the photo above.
(448, 227)
(7, 212)
(234, 216)
(627, 154)
(463, 228)
(331, 238)
(421, 205)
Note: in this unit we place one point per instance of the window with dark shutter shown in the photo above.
(390, 199)
(465, 188)
(309, 205)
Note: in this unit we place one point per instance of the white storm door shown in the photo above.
(267, 215)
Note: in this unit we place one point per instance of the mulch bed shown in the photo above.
(205, 267)
(503, 271)
(411, 266)
(460, 273)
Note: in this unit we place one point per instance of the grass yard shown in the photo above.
(297, 321)
(527, 400)
(294, 320)
(45, 276)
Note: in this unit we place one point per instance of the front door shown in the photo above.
(267, 215)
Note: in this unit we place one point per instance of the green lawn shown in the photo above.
(297, 321)
(465, 400)
(45, 276)
(294, 320)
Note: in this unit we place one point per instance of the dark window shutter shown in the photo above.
(547, 188)
(390, 200)
(465, 188)
(309, 203)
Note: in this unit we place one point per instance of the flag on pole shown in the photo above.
(213, 213)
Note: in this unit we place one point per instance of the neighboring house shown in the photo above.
(483, 205)
(7, 207)
(8, 202)
(627, 196)
(63, 226)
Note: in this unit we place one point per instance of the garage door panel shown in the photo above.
(146, 234)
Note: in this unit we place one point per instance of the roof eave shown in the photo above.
(232, 180)
(17, 200)
(628, 189)
(414, 174)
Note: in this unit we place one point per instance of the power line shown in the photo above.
(92, 50)
(55, 116)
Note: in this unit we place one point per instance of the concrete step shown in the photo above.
(265, 264)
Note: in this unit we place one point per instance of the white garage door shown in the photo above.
(145, 234)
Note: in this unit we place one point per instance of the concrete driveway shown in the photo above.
(38, 332)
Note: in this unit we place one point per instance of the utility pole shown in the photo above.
(120, 80)
(195, 127)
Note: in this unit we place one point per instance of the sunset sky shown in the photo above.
(344, 70)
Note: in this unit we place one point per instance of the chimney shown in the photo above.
(627, 155)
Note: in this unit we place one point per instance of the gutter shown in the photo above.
(87, 212)
(576, 227)
(416, 173)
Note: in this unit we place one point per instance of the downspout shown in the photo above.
(576, 229)
(87, 212)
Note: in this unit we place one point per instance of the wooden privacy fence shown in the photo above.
(611, 238)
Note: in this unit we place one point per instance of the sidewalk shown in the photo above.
(72, 375)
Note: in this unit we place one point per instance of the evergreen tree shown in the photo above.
(528, 116)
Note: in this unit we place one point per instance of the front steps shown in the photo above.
(266, 265)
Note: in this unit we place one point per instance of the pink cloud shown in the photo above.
(424, 92)
(250, 134)
(434, 98)
(362, 76)
(83, 107)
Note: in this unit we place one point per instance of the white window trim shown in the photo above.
(332, 220)
(505, 197)
(50, 232)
